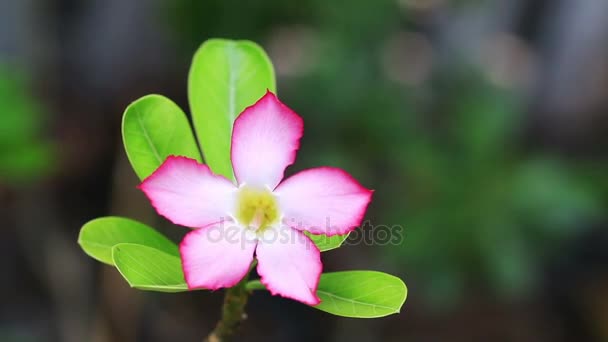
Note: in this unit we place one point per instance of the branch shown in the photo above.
(233, 312)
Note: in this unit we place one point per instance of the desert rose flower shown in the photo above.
(262, 214)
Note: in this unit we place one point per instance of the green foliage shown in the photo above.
(480, 207)
(225, 77)
(153, 127)
(145, 258)
(357, 294)
(150, 269)
(327, 243)
(98, 237)
(24, 155)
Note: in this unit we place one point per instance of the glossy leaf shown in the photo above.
(226, 76)
(147, 268)
(326, 243)
(153, 128)
(358, 294)
(98, 236)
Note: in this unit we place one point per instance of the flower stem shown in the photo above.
(233, 312)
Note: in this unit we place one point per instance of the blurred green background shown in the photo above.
(480, 124)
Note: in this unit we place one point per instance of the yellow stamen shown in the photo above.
(256, 209)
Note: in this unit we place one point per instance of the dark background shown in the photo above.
(480, 124)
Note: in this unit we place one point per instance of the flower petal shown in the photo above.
(290, 265)
(216, 257)
(323, 200)
(188, 194)
(265, 140)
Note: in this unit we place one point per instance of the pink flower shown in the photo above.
(263, 214)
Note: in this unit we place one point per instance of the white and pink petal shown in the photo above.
(323, 200)
(216, 257)
(265, 139)
(188, 193)
(290, 265)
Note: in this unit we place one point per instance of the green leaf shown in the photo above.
(153, 128)
(98, 236)
(226, 76)
(150, 269)
(255, 285)
(326, 243)
(358, 294)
